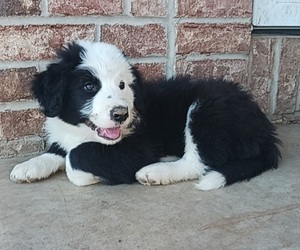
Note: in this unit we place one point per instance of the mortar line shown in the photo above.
(147, 60)
(18, 105)
(275, 75)
(171, 39)
(83, 20)
(18, 64)
(97, 33)
(44, 8)
(215, 20)
(297, 108)
(249, 67)
(123, 19)
(127, 7)
(42, 65)
(213, 56)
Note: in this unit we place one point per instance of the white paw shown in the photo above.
(212, 180)
(152, 175)
(156, 174)
(37, 168)
(163, 173)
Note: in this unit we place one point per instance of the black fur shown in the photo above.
(232, 134)
(57, 150)
(115, 164)
(59, 88)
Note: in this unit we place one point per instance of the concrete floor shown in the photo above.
(54, 214)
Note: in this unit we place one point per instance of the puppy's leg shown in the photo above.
(79, 177)
(40, 167)
(163, 173)
(92, 162)
(81, 163)
(189, 167)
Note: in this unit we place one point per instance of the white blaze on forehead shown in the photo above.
(105, 61)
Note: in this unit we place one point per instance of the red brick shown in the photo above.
(234, 70)
(151, 71)
(136, 41)
(214, 8)
(83, 7)
(16, 124)
(288, 81)
(20, 8)
(150, 8)
(34, 42)
(15, 84)
(213, 38)
(261, 71)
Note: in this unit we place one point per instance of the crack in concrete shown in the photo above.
(225, 222)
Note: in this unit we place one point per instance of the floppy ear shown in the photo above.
(49, 88)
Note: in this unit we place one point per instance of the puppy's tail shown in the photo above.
(240, 170)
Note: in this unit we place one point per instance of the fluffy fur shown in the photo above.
(108, 125)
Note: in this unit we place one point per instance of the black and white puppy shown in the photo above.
(107, 125)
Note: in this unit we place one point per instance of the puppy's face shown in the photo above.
(90, 85)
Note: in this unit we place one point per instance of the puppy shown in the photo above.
(105, 124)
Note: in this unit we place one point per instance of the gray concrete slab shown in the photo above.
(54, 214)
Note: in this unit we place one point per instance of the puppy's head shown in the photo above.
(90, 84)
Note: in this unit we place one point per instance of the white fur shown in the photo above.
(108, 64)
(212, 180)
(37, 168)
(78, 177)
(66, 135)
(163, 173)
(189, 167)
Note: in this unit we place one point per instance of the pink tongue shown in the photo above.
(110, 133)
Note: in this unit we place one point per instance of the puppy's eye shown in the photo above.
(122, 85)
(89, 87)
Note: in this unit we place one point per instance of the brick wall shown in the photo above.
(275, 76)
(208, 38)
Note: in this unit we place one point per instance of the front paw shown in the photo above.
(26, 172)
(153, 175)
(37, 168)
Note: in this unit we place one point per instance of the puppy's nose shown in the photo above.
(119, 114)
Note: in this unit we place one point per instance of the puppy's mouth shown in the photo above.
(113, 133)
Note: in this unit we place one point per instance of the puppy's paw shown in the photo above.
(24, 172)
(156, 174)
(37, 168)
(212, 180)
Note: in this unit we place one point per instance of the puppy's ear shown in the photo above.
(49, 88)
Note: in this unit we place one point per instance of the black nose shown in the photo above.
(119, 114)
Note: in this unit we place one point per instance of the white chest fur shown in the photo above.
(66, 135)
